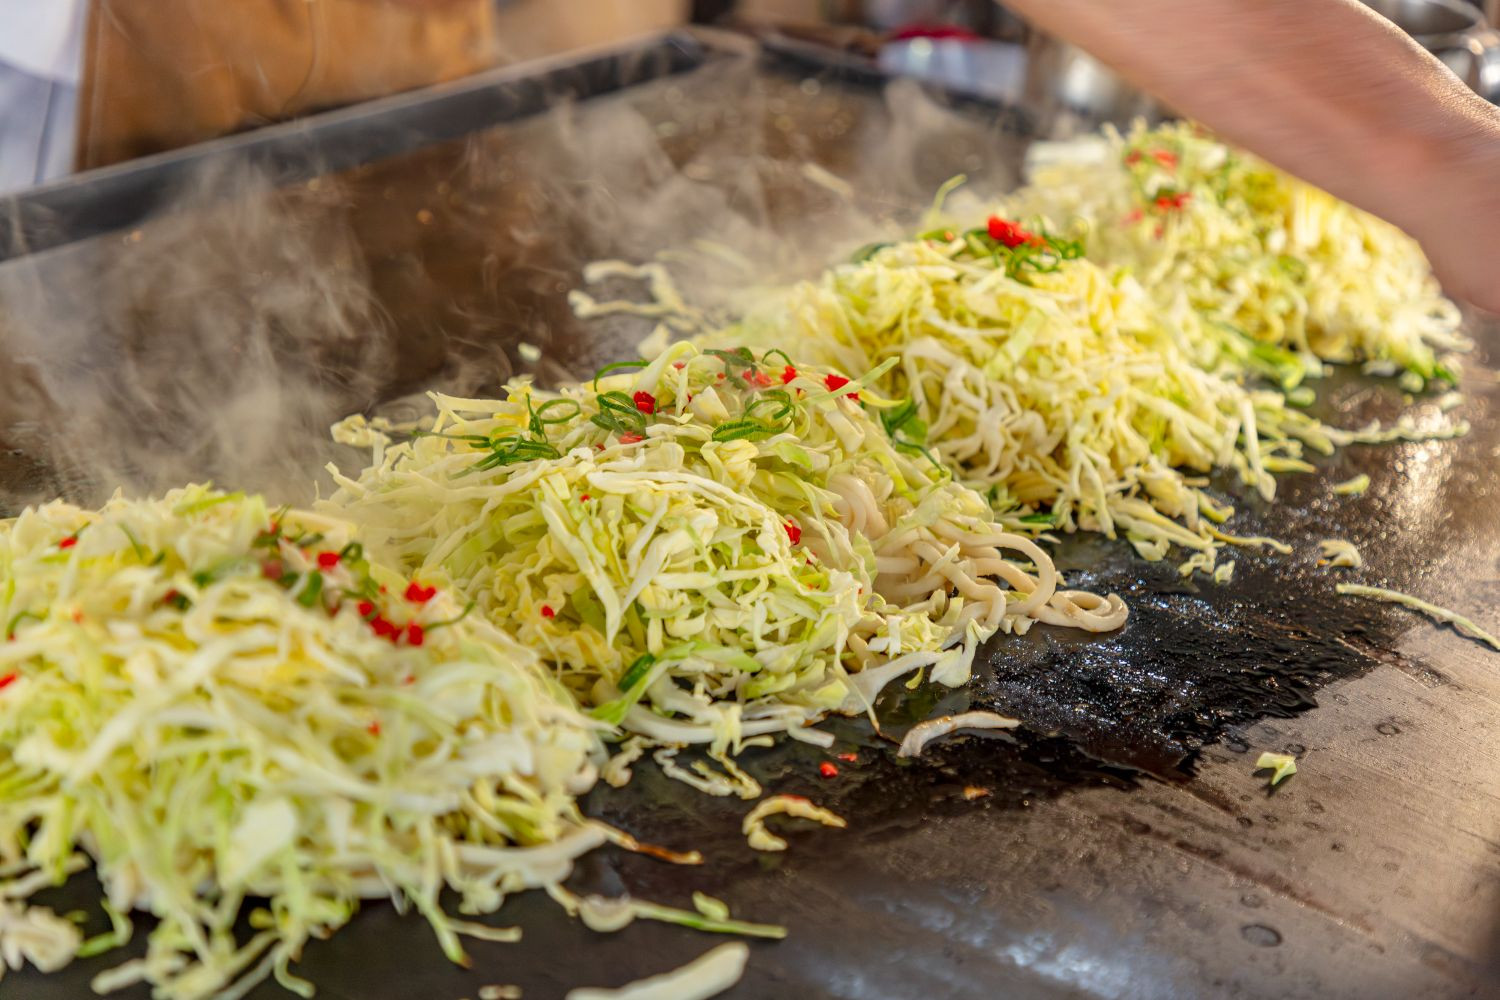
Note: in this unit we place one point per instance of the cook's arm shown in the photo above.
(1328, 91)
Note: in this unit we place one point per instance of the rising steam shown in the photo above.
(219, 340)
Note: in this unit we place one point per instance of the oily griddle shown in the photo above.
(1118, 846)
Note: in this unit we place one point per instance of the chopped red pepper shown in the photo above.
(1011, 234)
(328, 560)
(848, 758)
(787, 374)
(793, 532)
(1171, 201)
(1133, 157)
(547, 611)
(78, 617)
(679, 365)
(272, 569)
(365, 608)
(418, 594)
(6, 680)
(1166, 158)
(828, 769)
(68, 543)
(584, 498)
(1133, 216)
(837, 382)
(630, 437)
(373, 728)
(385, 628)
(415, 634)
(759, 378)
(645, 402)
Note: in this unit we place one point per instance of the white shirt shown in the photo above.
(41, 60)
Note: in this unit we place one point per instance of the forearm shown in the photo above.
(1323, 88)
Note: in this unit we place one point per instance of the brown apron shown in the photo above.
(158, 74)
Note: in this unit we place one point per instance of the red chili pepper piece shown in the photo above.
(68, 543)
(6, 680)
(328, 560)
(848, 758)
(679, 365)
(645, 402)
(272, 569)
(1170, 201)
(584, 498)
(837, 382)
(793, 532)
(547, 611)
(1133, 216)
(630, 437)
(366, 609)
(1133, 157)
(1166, 158)
(418, 594)
(787, 374)
(1011, 234)
(828, 769)
(373, 728)
(415, 634)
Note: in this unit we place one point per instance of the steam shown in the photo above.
(220, 340)
(216, 343)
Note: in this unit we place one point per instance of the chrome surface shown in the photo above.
(1455, 32)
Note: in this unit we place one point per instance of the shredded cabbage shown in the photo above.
(217, 702)
(710, 546)
(1341, 553)
(1281, 766)
(760, 836)
(1058, 392)
(1257, 268)
(706, 976)
(1084, 392)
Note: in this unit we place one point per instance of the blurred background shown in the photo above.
(88, 83)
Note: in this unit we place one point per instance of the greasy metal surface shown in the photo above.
(1112, 856)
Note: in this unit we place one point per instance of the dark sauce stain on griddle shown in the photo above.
(1196, 664)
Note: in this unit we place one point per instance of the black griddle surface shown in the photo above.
(1121, 846)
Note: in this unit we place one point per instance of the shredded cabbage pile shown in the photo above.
(232, 712)
(712, 546)
(1087, 396)
(1056, 391)
(1258, 267)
